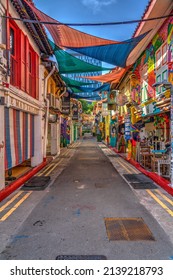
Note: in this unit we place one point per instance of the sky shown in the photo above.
(91, 11)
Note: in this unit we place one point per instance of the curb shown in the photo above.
(163, 183)
(15, 185)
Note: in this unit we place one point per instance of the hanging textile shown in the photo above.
(70, 64)
(115, 75)
(115, 54)
(19, 137)
(76, 89)
(104, 87)
(81, 96)
(65, 36)
(109, 51)
(70, 82)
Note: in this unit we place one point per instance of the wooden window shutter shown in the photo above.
(27, 65)
(23, 62)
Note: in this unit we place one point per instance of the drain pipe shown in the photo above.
(47, 111)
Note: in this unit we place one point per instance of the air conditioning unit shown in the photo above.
(51, 98)
(58, 104)
(3, 60)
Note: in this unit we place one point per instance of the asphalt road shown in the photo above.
(68, 217)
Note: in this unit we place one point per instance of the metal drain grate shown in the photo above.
(137, 178)
(143, 185)
(130, 229)
(37, 183)
(81, 257)
(113, 156)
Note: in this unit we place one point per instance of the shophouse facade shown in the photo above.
(147, 108)
(22, 90)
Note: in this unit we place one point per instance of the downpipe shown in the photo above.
(47, 112)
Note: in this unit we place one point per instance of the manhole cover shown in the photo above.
(143, 185)
(130, 229)
(137, 178)
(81, 257)
(37, 183)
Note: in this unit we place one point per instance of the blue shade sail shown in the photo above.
(104, 87)
(115, 54)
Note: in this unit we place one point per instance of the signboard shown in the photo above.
(66, 103)
(112, 97)
(75, 111)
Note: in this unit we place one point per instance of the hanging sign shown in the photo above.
(75, 111)
(66, 103)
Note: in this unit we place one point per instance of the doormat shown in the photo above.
(81, 257)
(127, 229)
(143, 185)
(137, 178)
(37, 183)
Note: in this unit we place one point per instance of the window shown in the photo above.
(24, 61)
(161, 56)
(158, 59)
(12, 41)
(158, 89)
(164, 54)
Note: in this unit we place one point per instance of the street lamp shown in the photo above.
(168, 85)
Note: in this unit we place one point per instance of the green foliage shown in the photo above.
(87, 107)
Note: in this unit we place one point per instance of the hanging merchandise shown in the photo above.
(112, 97)
(127, 128)
(121, 99)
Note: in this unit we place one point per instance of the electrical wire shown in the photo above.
(89, 24)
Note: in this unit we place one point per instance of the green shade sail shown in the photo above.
(70, 64)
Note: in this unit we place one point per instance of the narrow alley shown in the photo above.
(91, 206)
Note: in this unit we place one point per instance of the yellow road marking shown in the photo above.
(45, 169)
(160, 202)
(51, 164)
(10, 201)
(53, 168)
(15, 207)
(165, 197)
(124, 167)
(129, 166)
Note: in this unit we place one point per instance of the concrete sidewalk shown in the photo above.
(70, 217)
